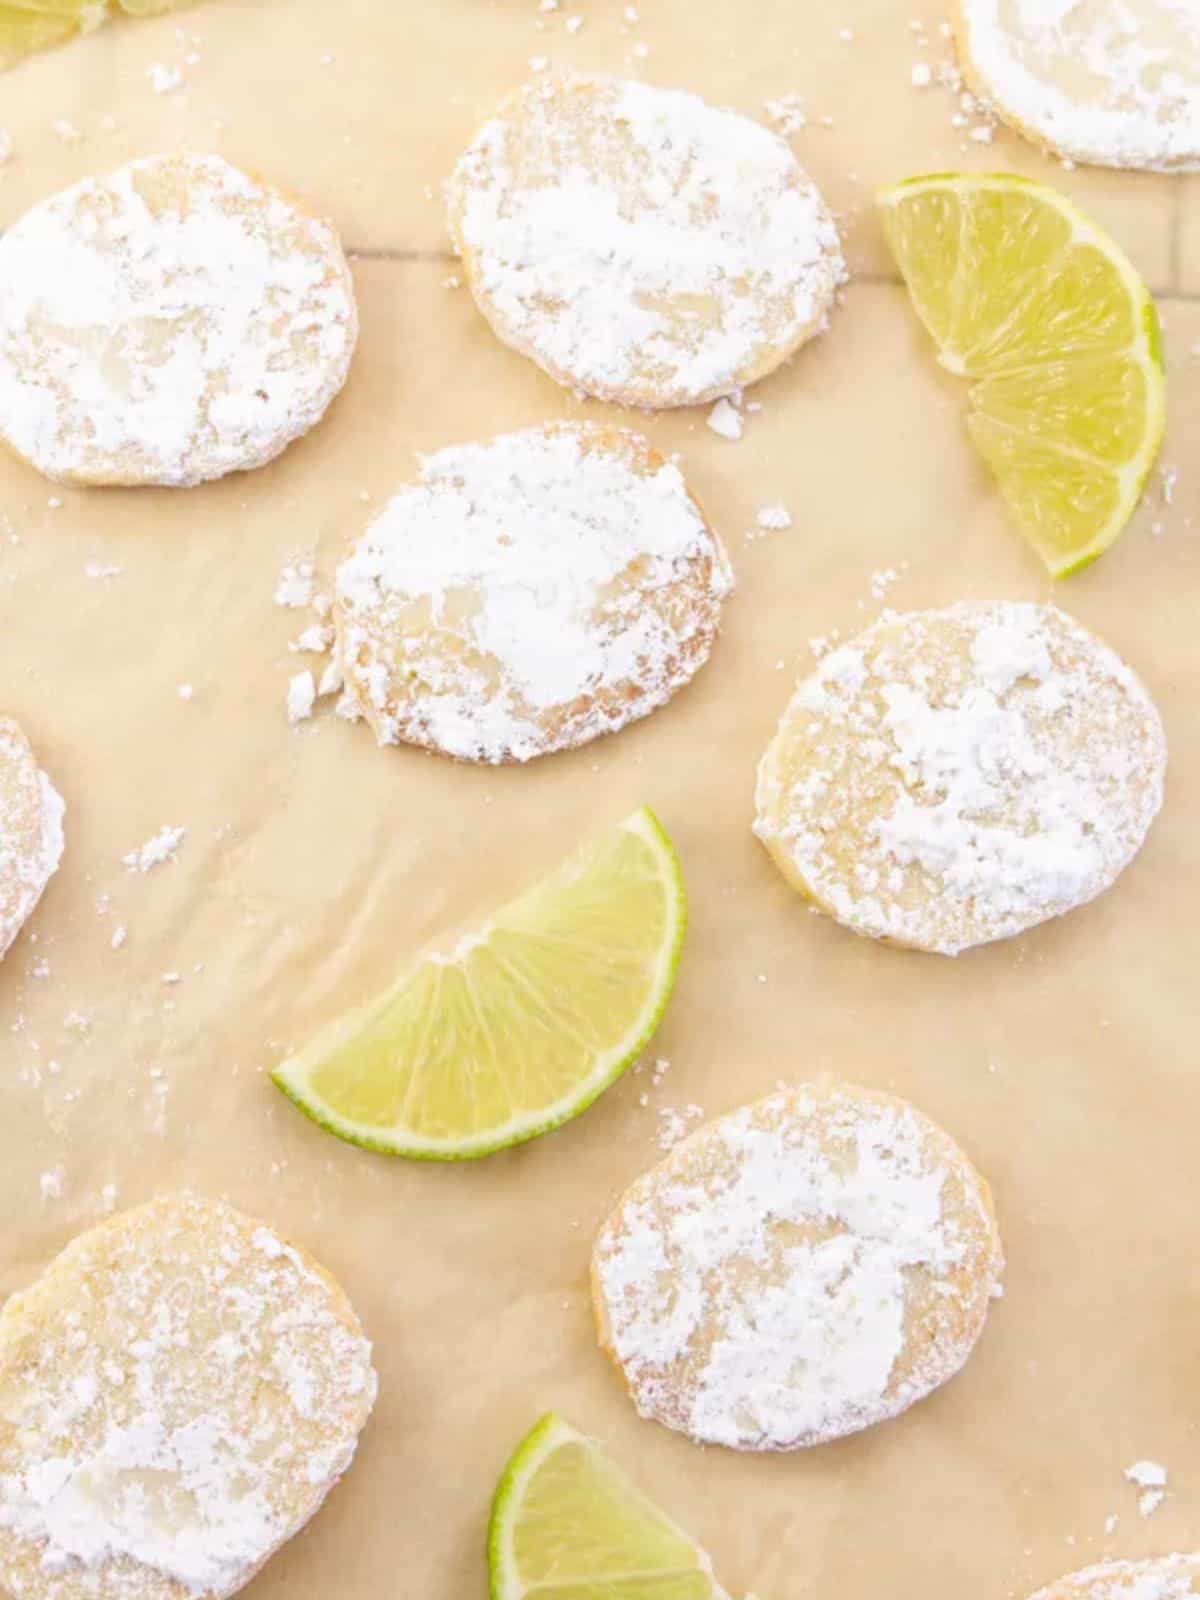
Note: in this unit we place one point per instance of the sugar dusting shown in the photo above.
(640, 244)
(953, 777)
(168, 323)
(183, 1389)
(1100, 81)
(761, 1283)
(1173, 1577)
(528, 594)
(31, 832)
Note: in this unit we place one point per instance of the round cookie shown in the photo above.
(31, 831)
(797, 1270)
(1159, 1578)
(167, 324)
(528, 594)
(1115, 83)
(952, 777)
(640, 245)
(179, 1391)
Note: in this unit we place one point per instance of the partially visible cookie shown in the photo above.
(797, 1270)
(31, 831)
(528, 594)
(1115, 82)
(952, 777)
(639, 244)
(179, 1391)
(167, 324)
(1159, 1578)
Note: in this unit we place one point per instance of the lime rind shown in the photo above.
(1145, 351)
(292, 1077)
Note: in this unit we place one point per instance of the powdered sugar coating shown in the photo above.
(31, 831)
(1112, 82)
(529, 594)
(167, 324)
(797, 1270)
(178, 1393)
(953, 777)
(1175, 1577)
(641, 245)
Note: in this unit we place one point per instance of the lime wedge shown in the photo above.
(22, 32)
(566, 1525)
(522, 1026)
(1046, 315)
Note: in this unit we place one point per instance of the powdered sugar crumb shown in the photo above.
(725, 419)
(296, 585)
(164, 79)
(154, 851)
(315, 640)
(773, 519)
(1150, 1478)
(301, 694)
(788, 113)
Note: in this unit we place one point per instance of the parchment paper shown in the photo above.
(315, 865)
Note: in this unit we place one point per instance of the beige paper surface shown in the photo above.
(315, 865)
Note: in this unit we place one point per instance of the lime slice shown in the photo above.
(22, 32)
(566, 1525)
(522, 1026)
(1042, 310)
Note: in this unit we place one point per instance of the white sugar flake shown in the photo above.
(160, 847)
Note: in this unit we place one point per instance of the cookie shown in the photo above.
(1159, 1578)
(797, 1270)
(1115, 83)
(529, 594)
(640, 245)
(31, 831)
(179, 1391)
(167, 324)
(953, 777)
